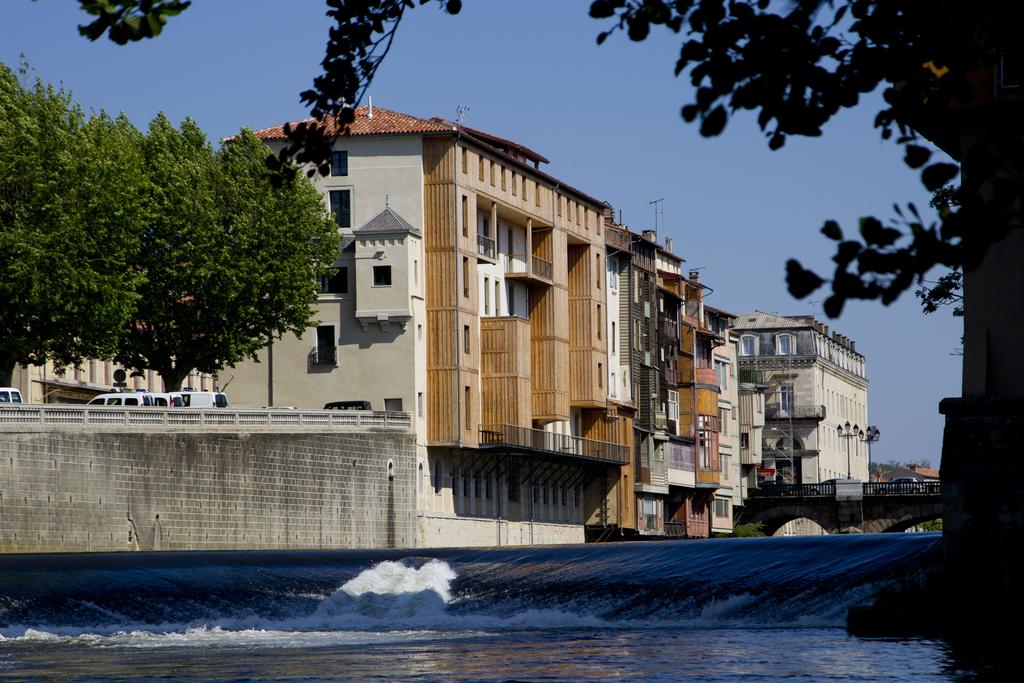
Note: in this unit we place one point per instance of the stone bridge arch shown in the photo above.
(901, 518)
(773, 517)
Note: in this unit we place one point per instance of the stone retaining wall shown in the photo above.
(73, 491)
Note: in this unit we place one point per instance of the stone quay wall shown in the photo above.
(81, 489)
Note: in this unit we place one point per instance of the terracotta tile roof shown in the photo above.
(388, 122)
(383, 122)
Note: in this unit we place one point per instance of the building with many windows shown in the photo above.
(813, 385)
(469, 290)
(730, 493)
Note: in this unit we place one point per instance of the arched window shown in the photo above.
(748, 345)
(785, 344)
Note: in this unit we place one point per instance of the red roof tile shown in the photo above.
(383, 122)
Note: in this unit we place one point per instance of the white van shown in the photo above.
(10, 395)
(124, 398)
(201, 399)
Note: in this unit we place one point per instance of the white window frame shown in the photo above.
(753, 344)
(778, 344)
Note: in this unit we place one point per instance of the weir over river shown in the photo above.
(737, 609)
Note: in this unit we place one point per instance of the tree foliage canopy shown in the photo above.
(796, 64)
(71, 213)
(229, 261)
(152, 249)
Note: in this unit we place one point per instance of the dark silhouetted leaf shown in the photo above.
(801, 281)
(937, 175)
(832, 230)
(714, 122)
(917, 156)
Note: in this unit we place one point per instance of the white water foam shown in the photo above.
(395, 601)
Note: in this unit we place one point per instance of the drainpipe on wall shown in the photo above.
(270, 372)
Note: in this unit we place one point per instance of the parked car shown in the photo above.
(201, 399)
(348, 405)
(10, 395)
(909, 483)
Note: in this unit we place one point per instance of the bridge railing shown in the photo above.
(902, 488)
(186, 419)
(889, 488)
(794, 491)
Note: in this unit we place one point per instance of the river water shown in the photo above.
(715, 610)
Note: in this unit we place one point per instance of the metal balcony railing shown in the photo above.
(536, 440)
(675, 529)
(794, 412)
(323, 355)
(542, 268)
(485, 246)
(532, 266)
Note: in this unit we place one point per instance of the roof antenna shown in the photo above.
(460, 113)
(369, 109)
(659, 211)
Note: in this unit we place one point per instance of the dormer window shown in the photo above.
(748, 345)
(785, 345)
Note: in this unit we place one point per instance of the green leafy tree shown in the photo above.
(71, 212)
(796, 63)
(230, 262)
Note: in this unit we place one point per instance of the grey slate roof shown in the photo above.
(387, 221)
(759, 320)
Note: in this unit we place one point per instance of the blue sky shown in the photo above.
(607, 117)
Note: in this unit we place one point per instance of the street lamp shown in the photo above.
(847, 432)
(870, 436)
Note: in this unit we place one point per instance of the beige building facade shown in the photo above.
(813, 385)
(469, 290)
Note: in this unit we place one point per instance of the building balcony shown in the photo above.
(671, 375)
(529, 268)
(708, 478)
(794, 412)
(323, 355)
(668, 330)
(485, 247)
(618, 239)
(675, 529)
(536, 441)
(705, 376)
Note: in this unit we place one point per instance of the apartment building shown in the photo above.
(732, 490)
(814, 384)
(655, 342)
(470, 290)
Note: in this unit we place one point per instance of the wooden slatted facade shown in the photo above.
(505, 349)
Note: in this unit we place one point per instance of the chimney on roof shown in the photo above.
(695, 275)
(853, 346)
(668, 244)
(369, 107)
(651, 235)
